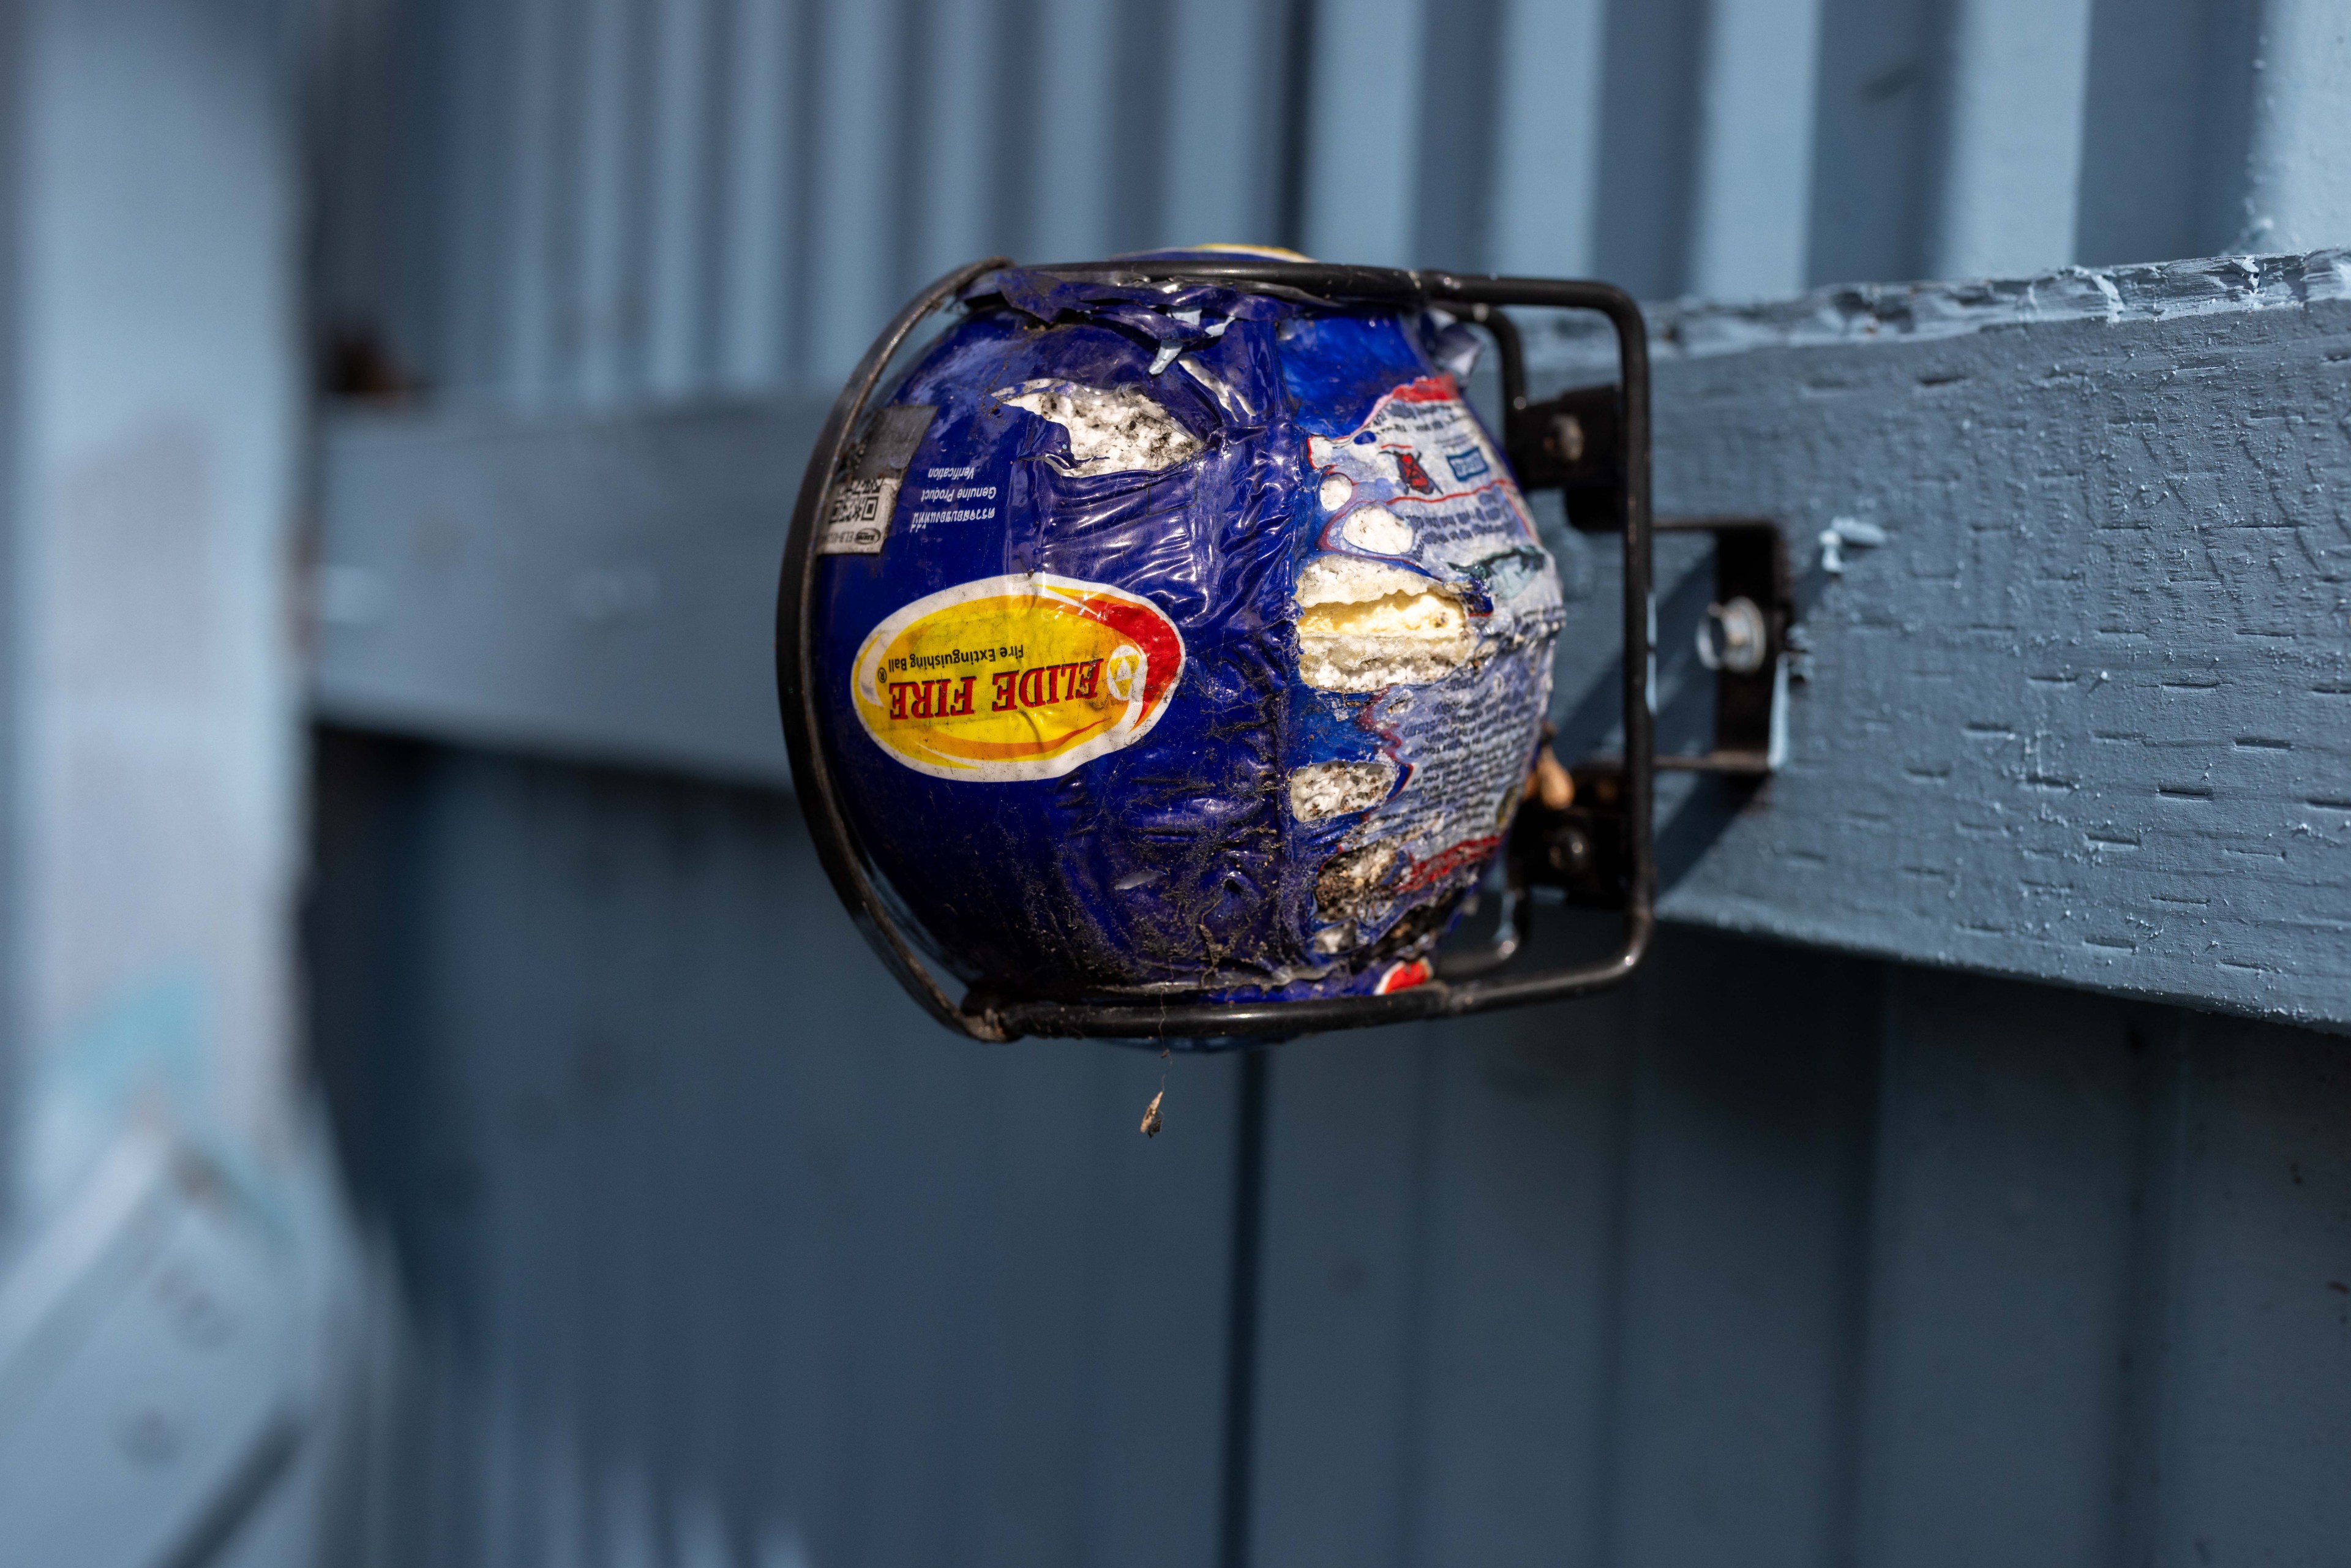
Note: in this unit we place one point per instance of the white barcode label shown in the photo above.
(860, 517)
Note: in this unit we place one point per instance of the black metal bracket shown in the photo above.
(1583, 850)
(1743, 639)
(1155, 1016)
(1572, 444)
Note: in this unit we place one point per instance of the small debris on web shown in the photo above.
(1151, 1113)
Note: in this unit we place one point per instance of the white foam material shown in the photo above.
(1321, 791)
(1364, 624)
(1331, 579)
(1111, 431)
(1379, 530)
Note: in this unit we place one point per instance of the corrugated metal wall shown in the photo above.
(714, 1251)
(581, 203)
(708, 1250)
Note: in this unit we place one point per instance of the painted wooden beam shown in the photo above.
(597, 588)
(2076, 706)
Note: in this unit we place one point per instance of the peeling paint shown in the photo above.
(1842, 532)
(1871, 312)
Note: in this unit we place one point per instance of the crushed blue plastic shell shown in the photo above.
(1174, 863)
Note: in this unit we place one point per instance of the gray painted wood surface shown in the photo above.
(2083, 714)
(601, 587)
(714, 1251)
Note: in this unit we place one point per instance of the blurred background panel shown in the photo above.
(451, 1120)
(542, 205)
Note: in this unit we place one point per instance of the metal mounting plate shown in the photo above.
(1744, 640)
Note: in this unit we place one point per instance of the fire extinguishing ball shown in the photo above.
(1180, 640)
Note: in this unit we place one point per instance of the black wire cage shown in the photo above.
(1607, 434)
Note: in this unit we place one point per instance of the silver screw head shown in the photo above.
(1733, 637)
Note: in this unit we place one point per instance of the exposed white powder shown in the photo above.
(1379, 530)
(1111, 431)
(1321, 791)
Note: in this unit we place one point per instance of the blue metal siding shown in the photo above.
(691, 1210)
(630, 199)
(592, 203)
(1778, 1257)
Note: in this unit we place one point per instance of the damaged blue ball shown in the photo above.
(1180, 640)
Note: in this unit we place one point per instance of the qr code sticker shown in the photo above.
(860, 516)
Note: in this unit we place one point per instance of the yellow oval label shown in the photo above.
(1025, 677)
